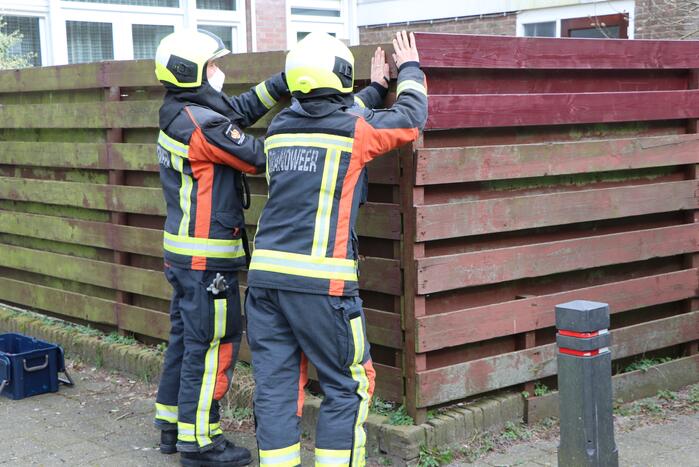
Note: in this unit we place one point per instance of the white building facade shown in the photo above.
(540, 18)
(74, 31)
(58, 32)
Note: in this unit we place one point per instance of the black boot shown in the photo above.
(224, 455)
(168, 442)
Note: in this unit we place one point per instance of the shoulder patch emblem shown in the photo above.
(235, 134)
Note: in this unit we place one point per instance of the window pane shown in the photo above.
(146, 38)
(315, 12)
(547, 29)
(224, 32)
(160, 3)
(31, 41)
(89, 42)
(301, 34)
(216, 5)
(598, 33)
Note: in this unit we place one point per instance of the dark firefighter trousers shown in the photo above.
(285, 331)
(205, 335)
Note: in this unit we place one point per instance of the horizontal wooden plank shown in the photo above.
(85, 195)
(389, 382)
(62, 302)
(449, 220)
(470, 51)
(239, 69)
(92, 309)
(525, 81)
(456, 382)
(502, 110)
(133, 114)
(443, 330)
(55, 78)
(87, 271)
(144, 321)
(384, 170)
(379, 220)
(380, 275)
(384, 328)
(449, 272)
(470, 164)
(106, 156)
(98, 234)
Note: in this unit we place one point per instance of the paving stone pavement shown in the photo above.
(674, 444)
(105, 420)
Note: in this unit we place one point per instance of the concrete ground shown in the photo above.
(675, 444)
(105, 420)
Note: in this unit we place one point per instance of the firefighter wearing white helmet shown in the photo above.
(204, 154)
(182, 57)
(303, 302)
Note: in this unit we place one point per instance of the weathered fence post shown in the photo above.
(585, 385)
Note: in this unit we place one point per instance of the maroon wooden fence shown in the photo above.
(550, 170)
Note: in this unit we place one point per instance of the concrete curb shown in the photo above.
(627, 387)
(138, 360)
(400, 443)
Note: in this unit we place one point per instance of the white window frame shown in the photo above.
(235, 33)
(122, 17)
(559, 14)
(310, 23)
(34, 11)
(236, 20)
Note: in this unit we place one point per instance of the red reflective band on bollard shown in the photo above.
(582, 335)
(583, 353)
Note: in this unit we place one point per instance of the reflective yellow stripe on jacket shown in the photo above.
(173, 145)
(264, 95)
(304, 265)
(205, 247)
(320, 140)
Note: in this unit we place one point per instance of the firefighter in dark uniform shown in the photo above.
(302, 302)
(204, 154)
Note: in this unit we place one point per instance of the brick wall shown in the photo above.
(667, 19)
(500, 25)
(271, 25)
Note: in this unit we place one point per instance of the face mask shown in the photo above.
(216, 81)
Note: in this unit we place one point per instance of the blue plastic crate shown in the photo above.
(29, 366)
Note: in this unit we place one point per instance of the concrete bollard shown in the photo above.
(585, 385)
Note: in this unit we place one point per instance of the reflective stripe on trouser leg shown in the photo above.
(284, 457)
(166, 413)
(332, 457)
(203, 430)
(359, 375)
(185, 432)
